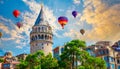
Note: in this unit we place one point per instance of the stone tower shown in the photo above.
(41, 35)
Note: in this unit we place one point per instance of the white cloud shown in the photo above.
(76, 1)
(29, 18)
(19, 47)
(104, 20)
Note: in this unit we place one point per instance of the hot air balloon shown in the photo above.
(82, 31)
(16, 13)
(19, 25)
(74, 13)
(0, 34)
(62, 21)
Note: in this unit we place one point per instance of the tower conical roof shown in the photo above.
(40, 18)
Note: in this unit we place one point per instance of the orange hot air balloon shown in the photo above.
(62, 21)
(82, 31)
(0, 34)
(16, 13)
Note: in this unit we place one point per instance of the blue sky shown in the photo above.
(99, 18)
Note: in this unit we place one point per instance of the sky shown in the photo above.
(99, 18)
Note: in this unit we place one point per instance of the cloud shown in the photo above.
(76, 1)
(32, 16)
(103, 18)
(13, 35)
(19, 47)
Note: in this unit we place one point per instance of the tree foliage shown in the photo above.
(75, 53)
(38, 61)
(74, 56)
(1, 60)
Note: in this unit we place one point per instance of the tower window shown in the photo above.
(36, 37)
(45, 36)
(42, 37)
(42, 28)
(42, 47)
(39, 36)
(39, 29)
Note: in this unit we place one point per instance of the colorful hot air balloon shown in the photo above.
(74, 13)
(0, 34)
(82, 31)
(19, 25)
(62, 21)
(16, 13)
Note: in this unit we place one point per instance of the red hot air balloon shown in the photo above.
(16, 13)
(62, 21)
(74, 13)
(19, 25)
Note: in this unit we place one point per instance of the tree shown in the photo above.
(49, 62)
(75, 52)
(23, 64)
(72, 52)
(38, 61)
(1, 60)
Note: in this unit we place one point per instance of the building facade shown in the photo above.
(41, 35)
(22, 56)
(106, 51)
(10, 62)
(58, 51)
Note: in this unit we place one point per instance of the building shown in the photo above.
(116, 52)
(106, 51)
(10, 62)
(22, 56)
(57, 52)
(41, 35)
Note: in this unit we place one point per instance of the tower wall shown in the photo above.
(41, 35)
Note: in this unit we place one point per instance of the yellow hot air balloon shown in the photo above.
(82, 31)
(0, 34)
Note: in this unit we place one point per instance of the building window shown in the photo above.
(118, 61)
(118, 67)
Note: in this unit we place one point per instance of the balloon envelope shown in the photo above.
(0, 34)
(62, 21)
(74, 13)
(16, 13)
(82, 31)
(19, 25)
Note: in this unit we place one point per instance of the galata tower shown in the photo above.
(41, 35)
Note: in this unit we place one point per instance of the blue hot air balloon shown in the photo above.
(74, 13)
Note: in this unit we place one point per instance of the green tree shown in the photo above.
(75, 52)
(1, 60)
(23, 65)
(48, 62)
(72, 52)
(39, 61)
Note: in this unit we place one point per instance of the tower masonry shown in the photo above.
(41, 35)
